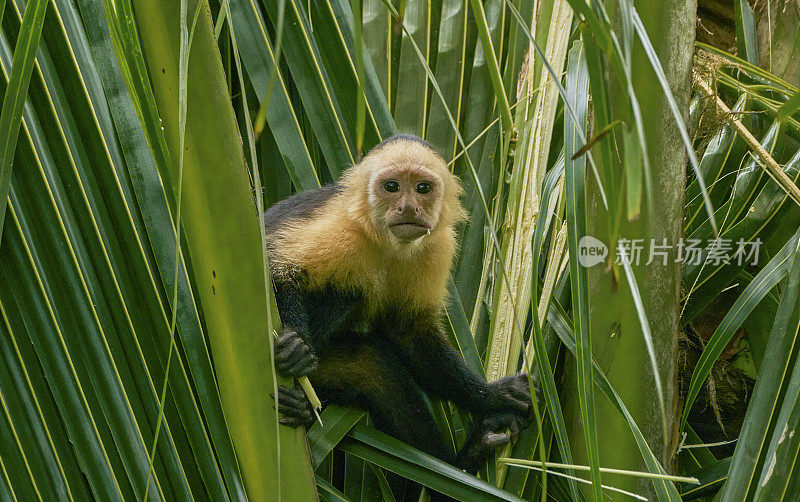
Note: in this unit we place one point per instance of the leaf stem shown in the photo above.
(766, 161)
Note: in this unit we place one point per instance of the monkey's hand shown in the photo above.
(488, 434)
(294, 407)
(293, 356)
(511, 394)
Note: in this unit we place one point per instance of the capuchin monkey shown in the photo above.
(360, 269)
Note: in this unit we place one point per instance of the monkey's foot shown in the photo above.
(512, 394)
(293, 356)
(294, 407)
(475, 453)
(487, 435)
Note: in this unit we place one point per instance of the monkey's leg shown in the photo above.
(372, 375)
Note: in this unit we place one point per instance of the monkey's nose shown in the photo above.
(408, 212)
(405, 209)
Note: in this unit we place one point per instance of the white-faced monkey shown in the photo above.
(360, 269)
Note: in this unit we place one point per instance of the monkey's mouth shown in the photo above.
(409, 230)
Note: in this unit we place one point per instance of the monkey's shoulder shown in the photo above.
(303, 234)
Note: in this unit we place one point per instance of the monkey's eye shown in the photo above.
(391, 186)
(423, 187)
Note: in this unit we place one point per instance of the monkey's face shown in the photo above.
(406, 201)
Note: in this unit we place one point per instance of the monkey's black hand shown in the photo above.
(488, 434)
(293, 356)
(511, 394)
(294, 407)
(505, 423)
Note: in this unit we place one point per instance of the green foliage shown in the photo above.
(135, 337)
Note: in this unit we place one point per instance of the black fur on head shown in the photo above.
(404, 137)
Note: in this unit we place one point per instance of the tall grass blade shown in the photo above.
(746, 36)
(790, 107)
(360, 97)
(10, 435)
(58, 367)
(778, 479)
(229, 278)
(537, 349)
(82, 270)
(186, 36)
(412, 88)
(494, 68)
(387, 452)
(461, 336)
(754, 459)
(328, 492)
(321, 104)
(709, 478)
(581, 134)
(535, 119)
(335, 33)
(455, 32)
(575, 172)
(146, 184)
(338, 421)
(17, 91)
(26, 408)
(260, 60)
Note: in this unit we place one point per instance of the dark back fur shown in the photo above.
(299, 205)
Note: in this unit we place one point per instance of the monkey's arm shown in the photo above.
(292, 306)
(294, 355)
(442, 372)
(309, 321)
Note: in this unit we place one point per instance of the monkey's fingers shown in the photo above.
(288, 343)
(293, 356)
(480, 443)
(302, 415)
(513, 394)
(292, 421)
(295, 351)
(519, 406)
(303, 367)
(522, 392)
(513, 430)
(519, 387)
(293, 404)
(293, 407)
(493, 440)
(504, 421)
(290, 394)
